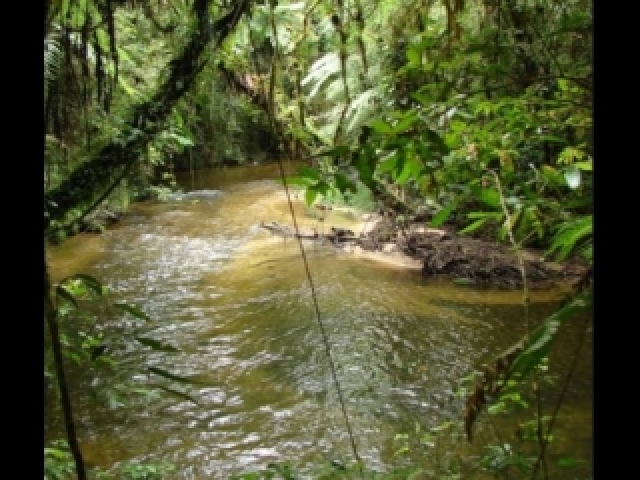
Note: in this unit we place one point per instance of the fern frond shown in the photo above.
(573, 234)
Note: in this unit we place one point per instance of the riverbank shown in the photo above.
(437, 252)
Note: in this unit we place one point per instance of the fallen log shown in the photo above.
(443, 253)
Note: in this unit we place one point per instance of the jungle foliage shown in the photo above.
(478, 111)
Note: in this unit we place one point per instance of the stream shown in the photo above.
(236, 302)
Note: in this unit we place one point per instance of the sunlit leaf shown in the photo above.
(406, 121)
(584, 166)
(474, 226)
(572, 176)
(310, 195)
(442, 216)
(388, 164)
(182, 140)
(411, 169)
(414, 56)
(65, 294)
(87, 280)
(299, 181)
(309, 173)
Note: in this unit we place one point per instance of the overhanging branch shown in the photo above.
(89, 179)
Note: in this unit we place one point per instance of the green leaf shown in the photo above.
(563, 84)
(90, 282)
(177, 393)
(182, 140)
(365, 165)
(343, 183)
(381, 126)
(552, 175)
(305, 177)
(406, 121)
(133, 310)
(442, 216)
(299, 181)
(156, 345)
(425, 100)
(411, 169)
(414, 57)
(474, 226)
(57, 453)
(584, 166)
(310, 195)
(129, 90)
(308, 173)
(388, 164)
(436, 141)
(488, 196)
(539, 343)
(65, 294)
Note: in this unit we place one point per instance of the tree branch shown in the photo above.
(51, 318)
(90, 178)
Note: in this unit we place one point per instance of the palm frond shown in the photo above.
(320, 71)
(362, 107)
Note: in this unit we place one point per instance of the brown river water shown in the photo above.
(236, 301)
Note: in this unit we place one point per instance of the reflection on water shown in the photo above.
(236, 302)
